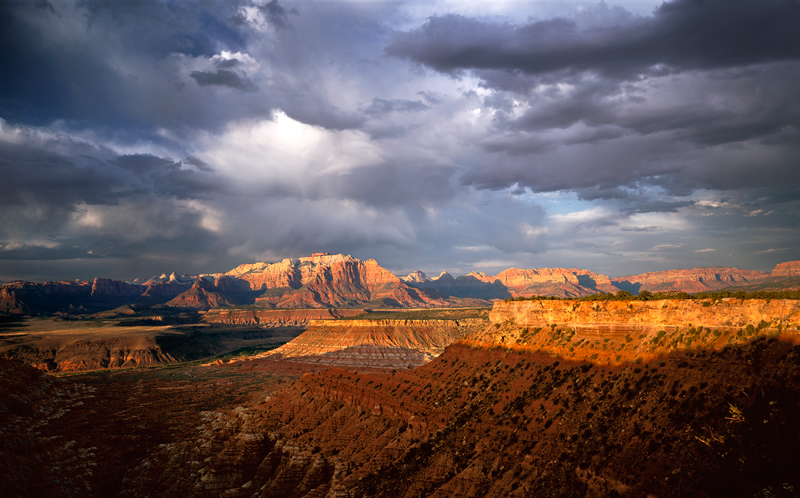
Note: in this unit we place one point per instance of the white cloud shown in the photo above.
(285, 152)
(661, 247)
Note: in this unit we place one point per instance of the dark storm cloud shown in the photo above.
(223, 77)
(683, 34)
(641, 112)
(277, 15)
(117, 64)
(47, 181)
(133, 140)
(63, 172)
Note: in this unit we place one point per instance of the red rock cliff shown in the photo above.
(788, 269)
(689, 280)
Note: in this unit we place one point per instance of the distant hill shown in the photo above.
(571, 282)
(339, 281)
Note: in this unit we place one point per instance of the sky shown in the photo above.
(148, 137)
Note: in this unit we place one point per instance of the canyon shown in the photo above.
(544, 398)
(328, 376)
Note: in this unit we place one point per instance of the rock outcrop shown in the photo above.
(690, 280)
(561, 282)
(788, 269)
(104, 287)
(331, 281)
(324, 281)
(487, 419)
(368, 345)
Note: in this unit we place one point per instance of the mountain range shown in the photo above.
(323, 280)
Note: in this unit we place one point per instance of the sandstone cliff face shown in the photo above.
(315, 282)
(103, 287)
(667, 313)
(620, 331)
(691, 280)
(562, 282)
(345, 281)
(788, 269)
(571, 282)
(374, 344)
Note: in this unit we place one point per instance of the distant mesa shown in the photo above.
(689, 280)
(788, 269)
(324, 280)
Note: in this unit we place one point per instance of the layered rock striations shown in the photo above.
(710, 416)
(788, 269)
(665, 314)
(323, 281)
(561, 282)
(331, 281)
(374, 344)
(488, 419)
(689, 280)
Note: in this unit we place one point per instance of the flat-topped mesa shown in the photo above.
(787, 269)
(729, 312)
(617, 331)
(115, 288)
(585, 282)
(689, 280)
(382, 344)
(513, 282)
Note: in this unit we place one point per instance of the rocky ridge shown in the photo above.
(788, 269)
(572, 282)
(373, 345)
(324, 280)
(700, 418)
(561, 282)
(690, 280)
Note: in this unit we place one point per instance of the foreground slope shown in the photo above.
(692, 411)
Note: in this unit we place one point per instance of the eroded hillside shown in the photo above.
(365, 345)
(501, 415)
